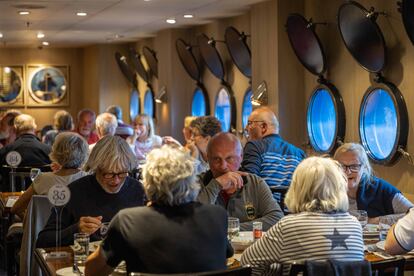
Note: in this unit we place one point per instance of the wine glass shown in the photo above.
(361, 215)
(104, 229)
(34, 172)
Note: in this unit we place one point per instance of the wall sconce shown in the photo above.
(259, 96)
(162, 96)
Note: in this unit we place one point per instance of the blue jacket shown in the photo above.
(375, 196)
(272, 158)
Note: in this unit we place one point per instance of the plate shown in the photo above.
(68, 271)
(242, 241)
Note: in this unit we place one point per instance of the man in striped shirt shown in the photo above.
(266, 154)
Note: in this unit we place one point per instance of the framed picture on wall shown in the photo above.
(11, 85)
(47, 85)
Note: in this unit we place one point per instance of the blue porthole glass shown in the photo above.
(223, 109)
(198, 106)
(379, 124)
(247, 107)
(322, 120)
(134, 105)
(149, 103)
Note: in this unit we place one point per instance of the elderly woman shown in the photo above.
(62, 121)
(319, 222)
(144, 138)
(69, 152)
(174, 233)
(97, 198)
(383, 202)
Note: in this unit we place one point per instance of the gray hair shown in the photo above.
(366, 169)
(106, 123)
(169, 177)
(69, 150)
(267, 115)
(111, 153)
(318, 184)
(24, 123)
(63, 120)
(115, 110)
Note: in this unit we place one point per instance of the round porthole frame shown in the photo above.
(149, 90)
(402, 123)
(233, 113)
(206, 99)
(340, 124)
(246, 98)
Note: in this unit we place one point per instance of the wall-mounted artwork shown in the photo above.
(48, 85)
(11, 85)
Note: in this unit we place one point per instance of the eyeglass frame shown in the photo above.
(112, 175)
(356, 169)
(249, 123)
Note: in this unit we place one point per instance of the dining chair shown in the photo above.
(238, 271)
(280, 193)
(393, 267)
(329, 267)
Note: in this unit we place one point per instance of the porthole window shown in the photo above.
(223, 109)
(379, 124)
(198, 106)
(149, 103)
(134, 105)
(322, 120)
(247, 107)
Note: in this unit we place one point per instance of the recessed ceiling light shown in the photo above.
(188, 16)
(40, 35)
(1, 35)
(7, 70)
(171, 21)
(45, 43)
(24, 12)
(81, 14)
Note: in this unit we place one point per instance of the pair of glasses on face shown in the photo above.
(250, 123)
(120, 175)
(352, 168)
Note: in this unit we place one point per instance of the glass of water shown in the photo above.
(80, 249)
(361, 215)
(233, 227)
(34, 172)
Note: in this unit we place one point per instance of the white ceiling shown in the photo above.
(108, 21)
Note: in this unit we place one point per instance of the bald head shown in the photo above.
(226, 140)
(262, 122)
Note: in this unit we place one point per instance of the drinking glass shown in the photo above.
(361, 216)
(233, 228)
(34, 172)
(81, 249)
(104, 229)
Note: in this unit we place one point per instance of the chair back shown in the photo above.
(388, 267)
(238, 271)
(18, 179)
(279, 193)
(329, 267)
(36, 217)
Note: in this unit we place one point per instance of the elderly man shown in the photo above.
(123, 130)
(266, 154)
(106, 124)
(245, 196)
(86, 119)
(98, 197)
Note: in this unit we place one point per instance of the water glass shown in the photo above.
(34, 172)
(233, 228)
(103, 230)
(361, 215)
(80, 249)
(383, 230)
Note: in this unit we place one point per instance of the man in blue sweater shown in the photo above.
(266, 154)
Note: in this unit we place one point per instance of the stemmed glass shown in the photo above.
(361, 215)
(34, 172)
(104, 229)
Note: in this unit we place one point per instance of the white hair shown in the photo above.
(366, 169)
(169, 177)
(318, 185)
(106, 124)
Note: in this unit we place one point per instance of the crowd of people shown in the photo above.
(191, 189)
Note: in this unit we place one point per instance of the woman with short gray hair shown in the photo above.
(319, 222)
(62, 121)
(69, 152)
(383, 202)
(172, 215)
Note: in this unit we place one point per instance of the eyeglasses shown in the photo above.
(352, 168)
(112, 175)
(249, 123)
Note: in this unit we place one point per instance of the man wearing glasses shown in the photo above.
(98, 197)
(266, 154)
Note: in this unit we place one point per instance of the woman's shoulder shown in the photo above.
(156, 140)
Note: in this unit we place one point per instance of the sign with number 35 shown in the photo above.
(59, 195)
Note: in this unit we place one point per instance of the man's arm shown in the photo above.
(251, 159)
(400, 238)
(96, 264)
(209, 193)
(391, 244)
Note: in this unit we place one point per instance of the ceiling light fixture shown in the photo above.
(40, 35)
(24, 12)
(259, 96)
(162, 96)
(81, 14)
(45, 43)
(1, 35)
(188, 16)
(171, 21)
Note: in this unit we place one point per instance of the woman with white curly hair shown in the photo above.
(166, 236)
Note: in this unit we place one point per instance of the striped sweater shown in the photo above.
(306, 236)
